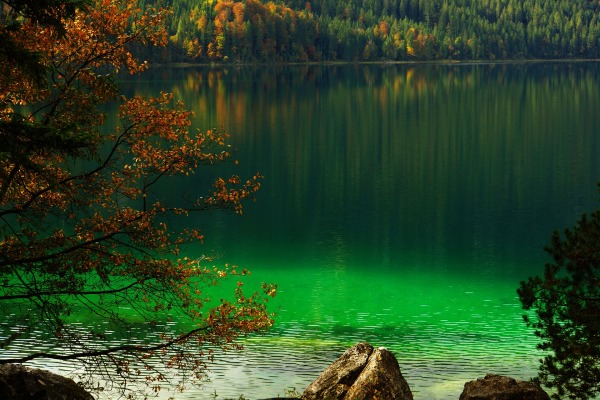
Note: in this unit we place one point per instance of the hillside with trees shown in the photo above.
(381, 30)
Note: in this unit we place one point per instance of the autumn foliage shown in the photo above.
(248, 30)
(83, 236)
(382, 30)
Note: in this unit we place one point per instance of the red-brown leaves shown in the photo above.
(81, 231)
(230, 194)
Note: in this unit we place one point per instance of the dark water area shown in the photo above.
(401, 205)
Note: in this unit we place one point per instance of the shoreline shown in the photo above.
(344, 63)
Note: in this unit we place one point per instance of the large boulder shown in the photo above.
(22, 383)
(381, 379)
(361, 373)
(497, 387)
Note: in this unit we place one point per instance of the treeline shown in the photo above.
(369, 30)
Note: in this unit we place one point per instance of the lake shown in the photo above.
(401, 205)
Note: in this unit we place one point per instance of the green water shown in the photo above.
(401, 205)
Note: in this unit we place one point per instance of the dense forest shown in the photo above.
(369, 30)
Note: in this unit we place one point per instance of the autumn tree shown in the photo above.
(92, 269)
(564, 306)
(15, 58)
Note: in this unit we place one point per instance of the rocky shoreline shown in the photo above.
(362, 372)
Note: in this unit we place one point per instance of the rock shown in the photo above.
(334, 382)
(497, 387)
(22, 383)
(361, 373)
(381, 379)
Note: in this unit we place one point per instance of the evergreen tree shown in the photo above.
(564, 305)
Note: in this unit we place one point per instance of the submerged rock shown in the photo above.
(497, 387)
(22, 383)
(361, 373)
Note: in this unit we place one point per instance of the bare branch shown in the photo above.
(105, 352)
(70, 293)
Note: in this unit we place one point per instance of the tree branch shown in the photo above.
(106, 352)
(66, 293)
(34, 196)
(9, 179)
(63, 252)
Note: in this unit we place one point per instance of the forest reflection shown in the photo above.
(465, 154)
(401, 204)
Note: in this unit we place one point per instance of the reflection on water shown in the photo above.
(402, 205)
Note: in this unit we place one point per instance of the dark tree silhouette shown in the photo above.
(563, 308)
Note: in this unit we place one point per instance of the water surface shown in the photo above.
(401, 205)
